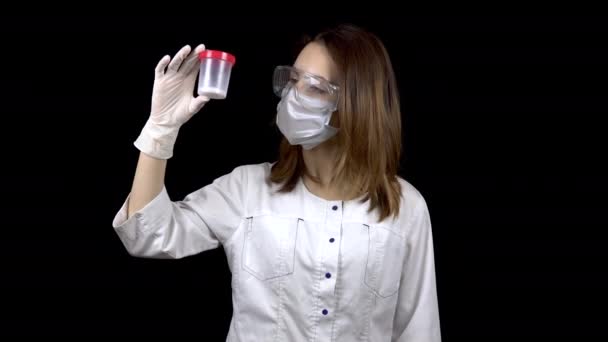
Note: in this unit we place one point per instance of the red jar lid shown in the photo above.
(217, 55)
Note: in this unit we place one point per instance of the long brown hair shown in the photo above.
(369, 118)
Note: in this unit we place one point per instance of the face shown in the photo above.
(315, 59)
(313, 75)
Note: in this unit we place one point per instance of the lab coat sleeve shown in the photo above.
(167, 229)
(417, 313)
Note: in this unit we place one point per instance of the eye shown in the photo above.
(318, 90)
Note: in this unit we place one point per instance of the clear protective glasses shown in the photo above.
(309, 88)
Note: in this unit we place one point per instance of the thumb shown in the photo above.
(197, 103)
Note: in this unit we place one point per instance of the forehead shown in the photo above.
(315, 59)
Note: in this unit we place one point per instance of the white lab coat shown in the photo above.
(303, 268)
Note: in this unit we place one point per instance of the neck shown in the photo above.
(319, 163)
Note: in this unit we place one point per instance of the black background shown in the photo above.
(503, 134)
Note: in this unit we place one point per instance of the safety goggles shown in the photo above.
(309, 88)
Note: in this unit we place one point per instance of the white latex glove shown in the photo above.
(172, 102)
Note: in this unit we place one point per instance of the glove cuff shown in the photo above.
(156, 140)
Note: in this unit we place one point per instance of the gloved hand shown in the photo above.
(172, 102)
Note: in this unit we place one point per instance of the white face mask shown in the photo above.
(304, 121)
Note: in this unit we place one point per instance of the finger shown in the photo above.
(200, 48)
(179, 58)
(162, 64)
(197, 104)
(192, 62)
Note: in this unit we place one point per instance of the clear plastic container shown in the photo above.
(214, 74)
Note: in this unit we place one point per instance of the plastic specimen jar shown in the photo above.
(214, 74)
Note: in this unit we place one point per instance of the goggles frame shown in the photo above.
(281, 87)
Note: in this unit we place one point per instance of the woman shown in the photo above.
(327, 243)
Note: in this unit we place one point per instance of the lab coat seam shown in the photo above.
(236, 280)
(237, 294)
(338, 277)
(338, 280)
(368, 278)
(367, 317)
(378, 254)
(281, 280)
(245, 237)
(317, 298)
(247, 191)
(279, 327)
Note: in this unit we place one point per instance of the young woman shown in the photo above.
(327, 243)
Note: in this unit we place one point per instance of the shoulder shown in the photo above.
(413, 202)
(252, 173)
(253, 170)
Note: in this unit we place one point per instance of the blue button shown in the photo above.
(324, 311)
(327, 275)
(335, 207)
(331, 240)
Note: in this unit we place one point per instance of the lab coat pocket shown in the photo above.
(270, 245)
(386, 252)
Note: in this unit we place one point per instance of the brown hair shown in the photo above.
(369, 119)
